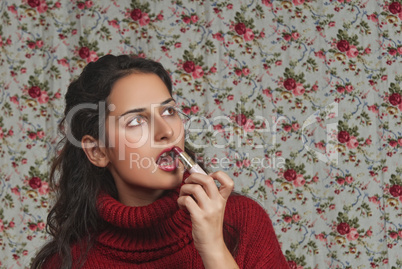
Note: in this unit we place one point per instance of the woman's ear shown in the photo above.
(96, 154)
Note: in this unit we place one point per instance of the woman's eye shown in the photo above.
(169, 111)
(136, 121)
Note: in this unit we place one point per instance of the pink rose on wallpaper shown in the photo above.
(31, 45)
(349, 88)
(352, 52)
(289, 84)
(393, 143)
(399, 50)
(246, 71)
(320, 54)
(340, 180)
(295, 35)
(63, 62)
(393, 235)
(186, 19)
(343, 228)
(39, 43)
(287, 37)
(136, 14)
(16, 191)
(372, 17)
(349, 179)
(41, 225)
(267, 93)
(12, 10)
(374, 200)
(320, 146)
(114, 24)
(1, 226)
(392, 52)
(246, 163)
(42, 8)
(195, 109)
(292, 265)
(299, 90)
(340, 89)
(343, 136)
(352, 235)
(194, 18)
(186, 110)
(296, 217)
(35, 183)
(238, 72)
(248, 35)
(267, 3)
(249, 126)
(299, 181)
(352, 143)
(343, 45)
(298, 2)
(395, 8)
(295, 126)
(218, 36)
(189, 66)
(395, 190)
(240, 28)
(241, 119)
(395, 99)
(93, 57)
(89, 3)
(290, 175)
(144, 20)
(14, 99)
(287, 127)
(198, 72)
(32, 226)
(34, 92)
(44, 188)
(84, 52)
(33, 3)
(287, 219)
(40, 134)
(43, 98)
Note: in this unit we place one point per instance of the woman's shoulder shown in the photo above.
(242, 207)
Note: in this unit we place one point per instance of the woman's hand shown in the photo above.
(206, 204)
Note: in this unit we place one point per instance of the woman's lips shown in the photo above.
(167, 161)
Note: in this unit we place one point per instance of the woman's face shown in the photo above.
(141, 125)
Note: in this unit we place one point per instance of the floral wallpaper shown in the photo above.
(298, 101)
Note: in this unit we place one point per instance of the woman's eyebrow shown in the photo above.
(142, 109)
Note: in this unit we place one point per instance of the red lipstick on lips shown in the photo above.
(172, 163)
(189, 164)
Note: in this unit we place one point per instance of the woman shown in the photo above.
(123, 203)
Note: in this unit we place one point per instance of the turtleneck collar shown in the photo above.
(160, 227)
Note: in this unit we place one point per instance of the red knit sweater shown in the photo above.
(159, 236)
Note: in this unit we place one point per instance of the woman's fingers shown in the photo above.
(197, 192)
(227, 184)
(207, 183)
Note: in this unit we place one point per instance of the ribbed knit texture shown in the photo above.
(159, 236)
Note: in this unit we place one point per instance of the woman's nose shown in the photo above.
(162, 129)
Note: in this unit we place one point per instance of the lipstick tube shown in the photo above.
(190, 165)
